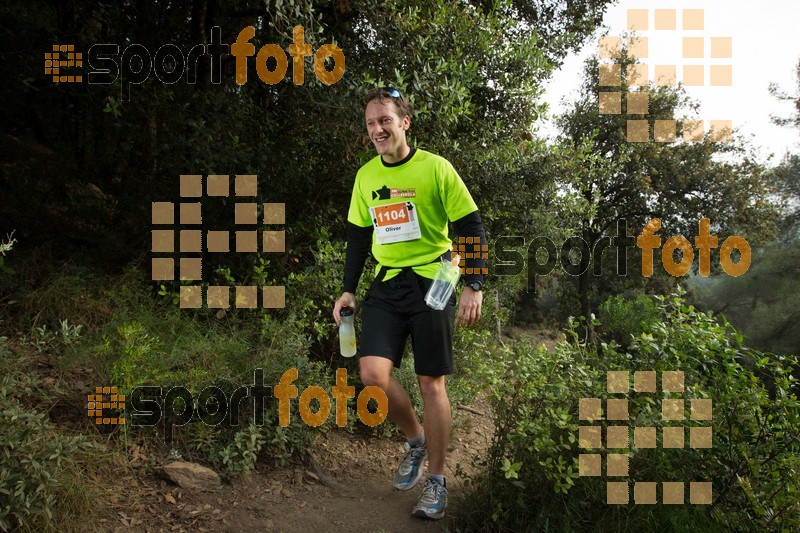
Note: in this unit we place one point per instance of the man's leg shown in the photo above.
(432, 502)
(377, 371)
(437, 421)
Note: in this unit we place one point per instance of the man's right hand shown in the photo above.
(347, 299)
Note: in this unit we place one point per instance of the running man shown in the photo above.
(400, 206)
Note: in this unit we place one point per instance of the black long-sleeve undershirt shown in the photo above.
(359, 241)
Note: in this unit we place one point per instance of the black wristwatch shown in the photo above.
(475, 285)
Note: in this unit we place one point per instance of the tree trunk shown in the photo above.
(584, 282)
(497, 313)
(585, 279)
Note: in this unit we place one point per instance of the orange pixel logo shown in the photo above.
(618, 442)
(696, 49)
(97, 404)
(54, 61)
(191, 241)
(471, 248)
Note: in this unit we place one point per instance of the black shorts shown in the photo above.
(392, 309)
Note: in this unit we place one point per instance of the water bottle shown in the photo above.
(443, 284)
(347, 333)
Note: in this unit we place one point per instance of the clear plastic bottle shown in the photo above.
(443, 284)
(347, 333)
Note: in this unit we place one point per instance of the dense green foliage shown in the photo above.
(623, 318)
(472, 69)
(530, 478)
(38, 464)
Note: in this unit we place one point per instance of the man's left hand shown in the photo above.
(469, 308)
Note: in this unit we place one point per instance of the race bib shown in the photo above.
(395, 222)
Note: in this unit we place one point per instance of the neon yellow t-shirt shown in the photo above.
(427, 189)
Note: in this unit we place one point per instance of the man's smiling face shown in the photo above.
(387, 130)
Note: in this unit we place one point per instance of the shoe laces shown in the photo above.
(413, 453)
(430, 492)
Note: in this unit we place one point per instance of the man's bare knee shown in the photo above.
(375, 372)
(432, 386)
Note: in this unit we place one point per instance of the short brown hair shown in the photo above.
(389, 93)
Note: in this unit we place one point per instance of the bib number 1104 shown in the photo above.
(387, 217)
(395, 222)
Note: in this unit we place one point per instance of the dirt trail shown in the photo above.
(350, 489)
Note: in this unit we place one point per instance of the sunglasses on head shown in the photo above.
(394, 93)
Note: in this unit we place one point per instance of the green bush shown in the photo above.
(534, 394)
(624, 319)
(311, 292)
(34, 458)
(529, 480)
(184, 351)
(152, 342)
(31, 455)
(235, 450)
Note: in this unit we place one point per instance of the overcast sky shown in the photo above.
(765, 48)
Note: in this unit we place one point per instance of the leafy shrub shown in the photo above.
(473, 350)
(31, 455)
(235, 450)
(623, 318)
(311, 292)
(533, 394)
(529, 480)
(33, 458)
(169, 348)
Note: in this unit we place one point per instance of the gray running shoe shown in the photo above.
(409, 472)
(432, 502)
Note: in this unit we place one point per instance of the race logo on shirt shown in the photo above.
(408, 192)
(385, 193)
